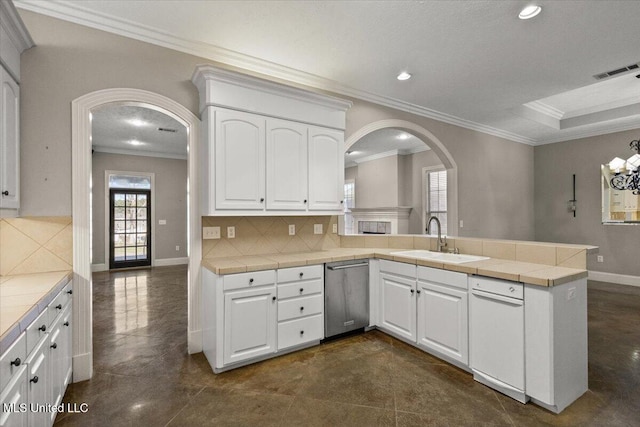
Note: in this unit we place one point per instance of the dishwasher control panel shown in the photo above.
(497, 286)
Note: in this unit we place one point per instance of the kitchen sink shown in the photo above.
(441, 256)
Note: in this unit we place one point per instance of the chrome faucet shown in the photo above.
(442, 242)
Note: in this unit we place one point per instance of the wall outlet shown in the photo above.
(335, 228)
(571, 293)
(317, 228)
(162, 222)
(600, 258)
(210, 233)
(461, 224)
(177, 248)
(231, 232)
(292, 229)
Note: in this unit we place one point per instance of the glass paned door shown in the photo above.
(130, 230)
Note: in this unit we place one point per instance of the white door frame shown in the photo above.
(107, 211)
(81, 211)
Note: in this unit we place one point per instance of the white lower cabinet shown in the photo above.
(443, 313)
(398, 309)
(15, 395)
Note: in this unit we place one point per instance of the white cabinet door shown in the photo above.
(286, 165)
(15, 397)
(240, 160)
(9, 142)
(398, 309)
(326, 169)
(66, 348)
(442, 320)
(55, 355)
(250, 324)
(39, 390)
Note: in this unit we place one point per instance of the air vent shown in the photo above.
(167, 130)
(617, 71)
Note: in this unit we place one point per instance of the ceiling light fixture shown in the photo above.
(631, 179)
(403, 76)
(137, 122)
(403, 136)
(530, 12)
(135, 142)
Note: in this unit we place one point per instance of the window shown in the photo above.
(436, 197)
(349, 203)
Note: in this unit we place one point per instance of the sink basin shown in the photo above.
(441, 256)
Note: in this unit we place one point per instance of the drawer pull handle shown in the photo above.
(273, 298)
(59, 306)
(54, 346)
(43, 328)
(66, 323)
(70, 291)
(305, 200)
(251, 280)
(412, 291)
(34, 379)
(418, 291)
(301, 308)
(16, 362)
(301, 274)
(261, 199)
(301, 290)
(301, 332)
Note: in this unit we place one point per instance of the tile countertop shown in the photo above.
(533, 274)
(22, 298)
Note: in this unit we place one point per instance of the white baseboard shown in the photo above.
(99, 267)
(620, 279)
(195, 341)
(170, 261)
(82, 367)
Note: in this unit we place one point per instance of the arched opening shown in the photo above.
(437, 148)
(81, 211)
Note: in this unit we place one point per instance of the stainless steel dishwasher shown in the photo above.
(346, 296)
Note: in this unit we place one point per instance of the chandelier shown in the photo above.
(627, 174)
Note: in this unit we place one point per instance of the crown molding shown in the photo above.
(15, 28)
(592, 132)
(545, 109)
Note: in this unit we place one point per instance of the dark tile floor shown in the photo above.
(144, 376)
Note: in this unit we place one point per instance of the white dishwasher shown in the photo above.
(496, 335)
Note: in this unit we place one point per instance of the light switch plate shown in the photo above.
(317, 228)
(461, 224)
(292, 229)
(210, 233)
(600, 258)
(162, 222)
(231, 232)
(335, 228)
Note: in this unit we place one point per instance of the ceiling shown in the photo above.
(133, 130)
(383, 143)
(474, 63)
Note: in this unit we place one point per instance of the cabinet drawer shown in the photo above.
(37, 330)
(60, 302)
(399, 268)
(249, 280)
(300, 331)
(300, 288)
(18, 350)
(449, 278)
(299, 307)
(300, 273)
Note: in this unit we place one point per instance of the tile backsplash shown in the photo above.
(269, 235)
(35, 245)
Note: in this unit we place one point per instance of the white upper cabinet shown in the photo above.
(240, 160)
(9, 142)
(287, 149)
(326, 169)
(269, 149)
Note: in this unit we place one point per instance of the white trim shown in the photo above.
(107, 206)
(620, 279)
(81, 203)
(74, 13)
(377, 156)
(163, 262)
(127, 152)
(545, 109)
(99, 267)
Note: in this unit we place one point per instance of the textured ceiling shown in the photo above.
(474, 63)
(384, 141)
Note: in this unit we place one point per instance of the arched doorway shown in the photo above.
(434, 143)
(81, 211)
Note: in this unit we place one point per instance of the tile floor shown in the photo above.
(144, 376)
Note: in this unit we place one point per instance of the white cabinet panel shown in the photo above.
(249, 324)
(398, 308)
(9, 142)
(326, 169)
(240, 160)
(15, 395)
(39, 386)
(442, 320)
(286, 165)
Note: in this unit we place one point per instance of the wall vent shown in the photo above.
(617, 71)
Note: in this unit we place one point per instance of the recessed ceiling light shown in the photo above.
(530, 11)
(135, 142)
(404, 76)
(137, 122)
(403, 136)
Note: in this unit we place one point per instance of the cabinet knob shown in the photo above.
(341, 202)
(54, 346)
(251, 280)
(301, 332)
(412, 291)
(262, 200)
(305, 200)
(70, 291)
(301, 308)
(301, 290)
(301, 274)
(418, 291)
(66, 323)
(273, 298)
(59, 306)
(43, 328)
(512, 289)
(5, 193)
(34, 379)
(16, 362)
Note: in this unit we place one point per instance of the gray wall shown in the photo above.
(170, 195)
(554, 166)
(70, 61)
(377, 183)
